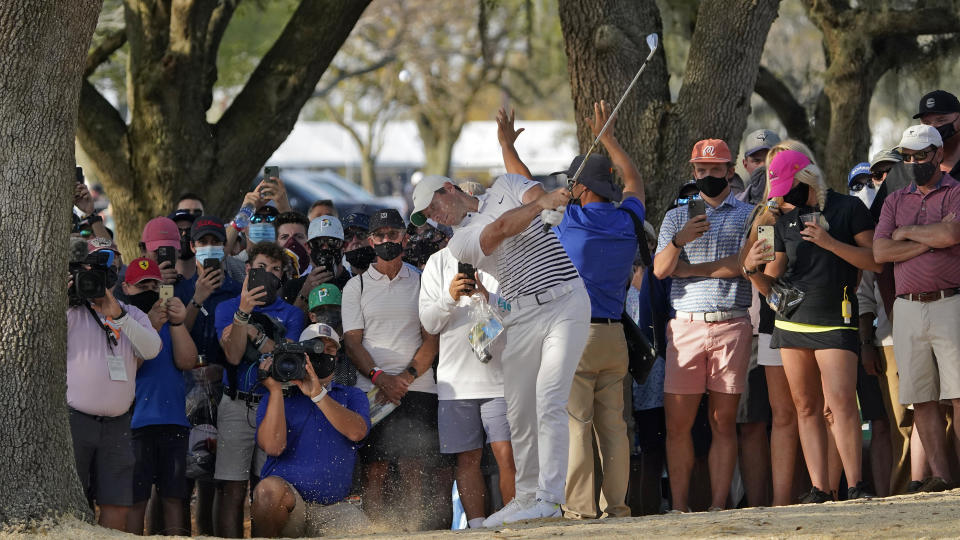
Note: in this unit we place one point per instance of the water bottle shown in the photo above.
(242, 219)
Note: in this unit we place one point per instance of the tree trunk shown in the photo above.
(438, 136)
(368, 174)
(43, 49)
(169, 147)
(605, 45)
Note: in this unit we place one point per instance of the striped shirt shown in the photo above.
(524, 264)
(936, 269)
(728, 225)
(388, 313)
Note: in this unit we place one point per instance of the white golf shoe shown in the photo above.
(517, 504)
(539, 510)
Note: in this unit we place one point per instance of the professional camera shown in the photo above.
(290, 361)
(92, 277)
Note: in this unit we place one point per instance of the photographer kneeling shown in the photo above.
(310, 466)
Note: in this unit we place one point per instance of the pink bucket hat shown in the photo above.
(783, 167)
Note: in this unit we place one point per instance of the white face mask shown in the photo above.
(867, 194)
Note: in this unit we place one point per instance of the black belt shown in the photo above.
(603, 320)
(100, 418)
(254, 398)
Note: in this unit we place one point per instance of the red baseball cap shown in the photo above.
(161, 231)
(711, 151)
(142, 269)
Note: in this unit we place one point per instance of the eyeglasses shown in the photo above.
(195, 211)
(263, 218)
(392, 235)
(878, 175)
(918, 156)
(350, 234)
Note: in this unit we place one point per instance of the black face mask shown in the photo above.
(185, 252)
(798, 195)
(327, 258)
(361, 258)
(323, 364)
(144, 301)
(388, 251)
(920, 174)
(711, 186)
(946, 131)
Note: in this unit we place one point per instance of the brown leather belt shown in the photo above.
(932, 296)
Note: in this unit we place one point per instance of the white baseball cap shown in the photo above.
(326, 226)
(919, 137)
(320, 330)
(423, 196)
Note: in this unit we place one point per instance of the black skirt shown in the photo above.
(848, 340)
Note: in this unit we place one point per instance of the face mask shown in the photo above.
(946, 131)
(798, 195)
(261, 232)
(388, 251)
(711, 186)
(303, 260)
(360, 258)
(209, 252)
(185, 252)
(326, 258)
(920, 174)
(144, 301)
(270, 282)
(867, 195)
(323, 364)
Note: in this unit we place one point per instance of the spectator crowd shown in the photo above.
(548, 353)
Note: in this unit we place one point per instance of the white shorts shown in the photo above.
(765, 355)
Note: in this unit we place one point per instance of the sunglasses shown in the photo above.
(195, 212)
(326, 242)
(358, 234)
(263, 218)
(857, 187)
(878, 175)
(918, 156)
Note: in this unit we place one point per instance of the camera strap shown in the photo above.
(112, 335)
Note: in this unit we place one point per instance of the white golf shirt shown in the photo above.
(460, 374)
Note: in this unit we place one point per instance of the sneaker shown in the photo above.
(934, 484)
(542, 509)
(716, 509)
(815, 496)
(914, 486)
(859, 491)
(520, 502)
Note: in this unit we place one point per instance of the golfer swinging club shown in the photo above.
(546, 316)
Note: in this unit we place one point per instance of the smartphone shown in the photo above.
(257, 277)
(211, 264)
(166, 292)
(696, 207)
(765, 233)
(271, 172)
(79, 175)
(166, 253)
(468, 269)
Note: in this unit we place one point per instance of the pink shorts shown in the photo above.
(705, 356)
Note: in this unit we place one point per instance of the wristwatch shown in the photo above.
(748, 272)
(413, 371)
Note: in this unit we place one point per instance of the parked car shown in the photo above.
(306, 186)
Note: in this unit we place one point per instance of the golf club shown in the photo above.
(653, 42)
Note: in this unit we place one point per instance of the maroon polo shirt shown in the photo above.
(933, 270)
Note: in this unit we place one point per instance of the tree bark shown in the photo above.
(439, 134)
(168, 147)
(605, 47)
(42, 56)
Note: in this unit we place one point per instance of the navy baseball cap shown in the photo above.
(356, 219)
(860, 169)
(597, 176)
(388, 217)
(938, 102)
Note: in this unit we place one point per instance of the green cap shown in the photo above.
(326, 294)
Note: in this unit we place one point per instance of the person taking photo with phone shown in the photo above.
(821, 242)
(711, 335)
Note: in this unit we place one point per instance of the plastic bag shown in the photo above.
(201, 453)
(485, 327)
(205, 387)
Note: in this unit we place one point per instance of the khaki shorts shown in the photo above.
(312, 519)
(926, 345)
(705, 356)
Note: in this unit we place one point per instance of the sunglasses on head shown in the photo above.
(263, 218)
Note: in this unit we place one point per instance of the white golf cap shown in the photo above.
(423, 196)
(919, 137)
(320, 330)
(326, 226)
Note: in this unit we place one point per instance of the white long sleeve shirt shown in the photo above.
(460, 374)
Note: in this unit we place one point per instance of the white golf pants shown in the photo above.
(543, 345)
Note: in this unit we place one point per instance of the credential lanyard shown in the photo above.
(113, 334)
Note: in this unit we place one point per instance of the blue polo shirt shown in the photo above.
(290, 316)
(204, 332)
(601, 242)
(160, 391)
(318, 460)
(728, 230)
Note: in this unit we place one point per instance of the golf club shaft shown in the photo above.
(613, 114)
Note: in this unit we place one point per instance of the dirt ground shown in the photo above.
(909, 516)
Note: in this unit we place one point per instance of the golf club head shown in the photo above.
(653, 41)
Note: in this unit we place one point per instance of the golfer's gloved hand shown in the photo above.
(551, 218)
